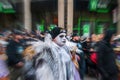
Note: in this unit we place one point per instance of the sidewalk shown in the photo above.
(89, 78)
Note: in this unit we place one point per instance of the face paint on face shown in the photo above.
(60, 39)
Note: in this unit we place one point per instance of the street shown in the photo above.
(89, 78)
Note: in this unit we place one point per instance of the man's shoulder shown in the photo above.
(11, 41)
(100, 43)
(11, 44)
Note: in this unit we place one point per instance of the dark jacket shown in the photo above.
(14, 52)
(106, 56)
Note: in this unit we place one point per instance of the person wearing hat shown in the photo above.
(14, 52)
(59, 45)
(79, 54)
(55, 59)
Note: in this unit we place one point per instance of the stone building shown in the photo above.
(81, 16)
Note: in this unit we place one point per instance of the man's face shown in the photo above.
(19, 37)
(60, 39)
(76, 38)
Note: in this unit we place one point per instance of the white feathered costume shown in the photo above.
(53, 62)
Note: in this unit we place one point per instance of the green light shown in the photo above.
(51, 27)
(41, 28)
(93, 5)
(9, 11)
(103, 10)
(6, 9)
(86, 28)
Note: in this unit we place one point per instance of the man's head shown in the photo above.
(108, 35)
(18, 34)
(75, 37)
(93, 37)
(59, 36)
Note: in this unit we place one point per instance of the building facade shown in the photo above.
(81, 16)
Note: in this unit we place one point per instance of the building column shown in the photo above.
(118, 23)
(27, 15)
(61, 13)
(69, 17)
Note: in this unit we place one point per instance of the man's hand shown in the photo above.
(19, 64)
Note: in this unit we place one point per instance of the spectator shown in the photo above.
(14, 52)
(4, 72)
(75, 42)
(106, 58)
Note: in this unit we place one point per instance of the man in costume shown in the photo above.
(53, 61)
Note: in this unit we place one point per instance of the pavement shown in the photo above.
(89, 78)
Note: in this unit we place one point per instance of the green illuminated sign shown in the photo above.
(99, 6)
(6, 8)
(102, 10)
(93, 5)
(86, 28)
(41, 28)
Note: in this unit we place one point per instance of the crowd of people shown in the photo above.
(55, 56)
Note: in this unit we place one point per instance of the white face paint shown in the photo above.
(60, 39)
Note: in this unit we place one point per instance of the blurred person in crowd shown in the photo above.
(106, 57)
(69, 36)
(28, 39)
(93, 56)
(86, 44)
(75, 42)
(93, 40)
(14, 52)
(116, 41)
(4, 72)
(100, 36)
(54, 61)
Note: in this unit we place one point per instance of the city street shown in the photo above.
(89, 78)
(59, 39)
